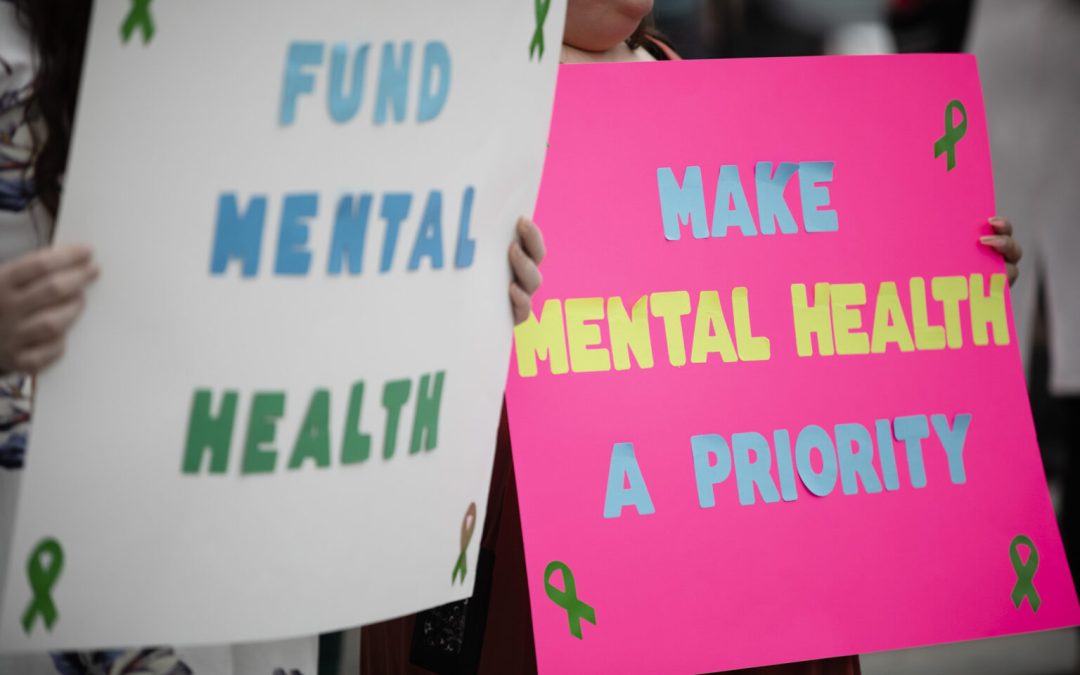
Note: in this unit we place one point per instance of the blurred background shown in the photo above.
(1029, 62)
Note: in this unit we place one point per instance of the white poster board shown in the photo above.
(286, 200)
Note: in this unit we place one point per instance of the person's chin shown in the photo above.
(635, 10)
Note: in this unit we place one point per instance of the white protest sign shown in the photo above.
(279, 409)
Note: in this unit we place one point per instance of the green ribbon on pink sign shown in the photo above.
(946, 145)
(567, 598)
(1025, 572)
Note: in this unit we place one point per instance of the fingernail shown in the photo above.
(995, 220)
(990, 240)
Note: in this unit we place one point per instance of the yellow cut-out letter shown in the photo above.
(848, 321)
(949, 291)
(672, 306)
(582, 338)
(988, 310)
(927, 336)
(543, 339)
(812, 320)
(629, 333)
(751, 348)
(710, 331)
(890, 324)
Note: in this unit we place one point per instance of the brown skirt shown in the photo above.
(507, 647)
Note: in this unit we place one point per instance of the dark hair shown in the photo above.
(58, 35)
(647, 37)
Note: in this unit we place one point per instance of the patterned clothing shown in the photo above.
(14, 419)
(23, 224)
(117, 662)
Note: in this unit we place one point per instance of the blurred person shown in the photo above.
(930, 25)
(744, 28)
(43, 290)
(1029, 66)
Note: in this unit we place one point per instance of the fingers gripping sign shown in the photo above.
(526, 253)
(41, 296)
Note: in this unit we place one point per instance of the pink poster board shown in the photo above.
(719, 499)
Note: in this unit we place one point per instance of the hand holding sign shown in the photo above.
(527, 251)
(41, 296)
(1002, 241)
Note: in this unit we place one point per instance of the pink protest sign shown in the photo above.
(770, 407)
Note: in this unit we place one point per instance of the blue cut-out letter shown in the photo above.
(297, 82)
(350, 232)
(393, 83)
(784, 468)
(912, 430)
(731, 208)
(433, 93)
(810, 438)
(429, 239)
(682, 203)
(706, 473)
(344, 104)
(952, 440)
(466, 245)
(753, 473)
(624, 467)
(856, 465)
(772, 207)
(815, 196)
(395, 207)
(236, 235)
(293, 257)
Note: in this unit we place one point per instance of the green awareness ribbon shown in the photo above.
(1025, 573)
(43, 569)
(468, 524)
(138, 17)
(576, 610)
(536, 47)
(947, 144)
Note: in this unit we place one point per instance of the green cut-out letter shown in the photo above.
(314, 438)
(425, 428)
(266, 409)
(356, 446)
(206, 432)
(394, 395)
